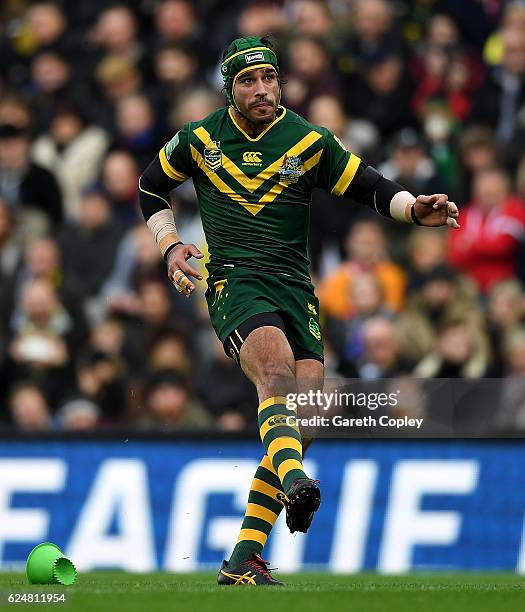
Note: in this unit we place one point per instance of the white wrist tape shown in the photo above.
(162, 226)
(400, 206)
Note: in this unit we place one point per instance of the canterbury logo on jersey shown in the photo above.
(278, 420)
(252, 158)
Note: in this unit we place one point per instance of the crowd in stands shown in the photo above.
(431, 92)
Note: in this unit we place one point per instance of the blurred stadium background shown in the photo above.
(116, 400)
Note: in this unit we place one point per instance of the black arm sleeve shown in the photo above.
(154, 188)
(370, 187)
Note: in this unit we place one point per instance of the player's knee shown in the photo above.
(267, 359)
(274, 377)
(275, 368)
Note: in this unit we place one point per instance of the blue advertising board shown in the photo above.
(145, 505)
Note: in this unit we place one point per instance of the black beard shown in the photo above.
(259, 122)
(256, 124)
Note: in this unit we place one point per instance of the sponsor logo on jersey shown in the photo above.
(213, 155)
(249, 58)
(278, 420)
(252, 158)
(312, 309)
(291, 170)
(313, 328)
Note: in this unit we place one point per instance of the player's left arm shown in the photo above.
(392, 200)
(346, 175)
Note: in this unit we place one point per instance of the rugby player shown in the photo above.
(254, 165)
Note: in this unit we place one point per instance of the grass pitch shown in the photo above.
(108, 592)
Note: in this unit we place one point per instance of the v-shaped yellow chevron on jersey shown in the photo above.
(252, 184)
(221, 185)
(269, 196)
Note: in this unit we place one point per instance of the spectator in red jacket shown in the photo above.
(485, 248)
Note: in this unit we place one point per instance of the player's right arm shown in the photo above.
(169, 169)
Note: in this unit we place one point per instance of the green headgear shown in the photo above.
(245, 54)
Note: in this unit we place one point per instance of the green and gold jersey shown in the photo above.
(254, 193)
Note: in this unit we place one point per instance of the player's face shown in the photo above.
(257, 94)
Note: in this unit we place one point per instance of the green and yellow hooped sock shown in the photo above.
(264, 505)
(282, 440)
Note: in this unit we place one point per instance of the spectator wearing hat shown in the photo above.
(409, 164)
(78, 414)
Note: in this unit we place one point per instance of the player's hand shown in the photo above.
(179, 269)
(435, 210)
